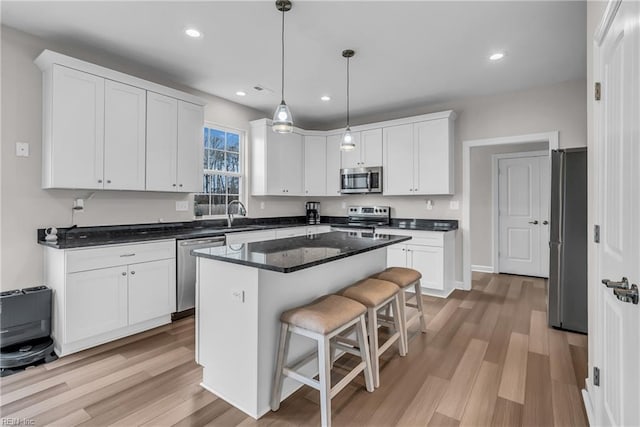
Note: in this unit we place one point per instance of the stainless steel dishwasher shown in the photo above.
(186, 272)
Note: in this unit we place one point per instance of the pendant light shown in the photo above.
(282, 119)
(347, 143)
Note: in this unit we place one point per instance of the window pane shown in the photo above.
(206, 184)
(216, 160)
(235, 208)
(207, 158)
(233, 162)
(233, 142)
(233, 184)
(201, 204)
(218, 184)
(206, 138)
(216, 139)
(218, 205)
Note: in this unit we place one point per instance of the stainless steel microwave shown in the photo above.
(361, 180)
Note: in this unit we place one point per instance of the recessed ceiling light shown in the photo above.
(325, 98)
(192, 32)
(241, 93)
(496, 56)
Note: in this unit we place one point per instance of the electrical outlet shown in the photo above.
(22, 149)
(182, 205)
(429, 205)
(454, 205)
(344, 205)
(261, 205)
(237, 295)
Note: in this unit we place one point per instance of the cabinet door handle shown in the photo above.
(108, 181)
(124, 273)
(173, 185)
(127, 255)
(180, 185)
(415, 189)
(99, 181)
(133, 272)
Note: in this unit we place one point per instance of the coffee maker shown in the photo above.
(313, 213)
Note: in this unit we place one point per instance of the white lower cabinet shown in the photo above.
(152, 289)
(105, 293)
(432, 253)
(96, 302)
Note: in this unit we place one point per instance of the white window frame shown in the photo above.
(242, 158)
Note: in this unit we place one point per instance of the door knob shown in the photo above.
(627, 295)
(545, 222)
(622, 284)
(534, 222)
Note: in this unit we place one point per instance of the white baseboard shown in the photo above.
(482, 268)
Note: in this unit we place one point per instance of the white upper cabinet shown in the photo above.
(418, 158)
(174, 144)
(367, 152)
(277, 161)
(315, 165)
(433, 170)
(162, 142)
(352, 159)
(333, 165)
(371, 151)
(103, 129)
(397, 172)
(124, 136)
(190, 147)
(73, 140)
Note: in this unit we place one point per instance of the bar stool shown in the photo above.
(377, 294)
(406, 278)
(322, 320)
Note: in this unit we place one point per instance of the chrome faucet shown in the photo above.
(242, 210)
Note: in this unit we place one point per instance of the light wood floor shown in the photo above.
(488, 358)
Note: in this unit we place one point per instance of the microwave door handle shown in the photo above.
(369, 180)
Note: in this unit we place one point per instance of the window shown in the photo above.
(223, 169)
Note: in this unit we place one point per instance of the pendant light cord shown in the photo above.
(348, 59)
(283, 9)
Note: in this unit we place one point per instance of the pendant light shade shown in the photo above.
(282, 118)
(347, 143)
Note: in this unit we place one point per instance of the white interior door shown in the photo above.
(617, 156)
(523, 200)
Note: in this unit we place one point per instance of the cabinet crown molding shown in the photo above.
(48, 58)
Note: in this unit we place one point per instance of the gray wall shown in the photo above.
(24, 206)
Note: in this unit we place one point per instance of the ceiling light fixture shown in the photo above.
(282, 119)
(347, 143)
(497, 56)
(241, 93)
(192, 32)
(325, 98)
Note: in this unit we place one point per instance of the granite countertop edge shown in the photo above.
(190, 233)
(270, 267)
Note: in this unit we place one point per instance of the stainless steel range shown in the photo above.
(365, 218)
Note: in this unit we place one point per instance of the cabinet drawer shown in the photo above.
(290, 232)
(111, 256)
(419, 237)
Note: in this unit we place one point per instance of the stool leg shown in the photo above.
(418, 289)
(283, 349)
(365, 355)
(397, 323)
(372, 317)
(324, 366)
(403, 318)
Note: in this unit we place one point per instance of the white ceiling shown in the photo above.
(407, 53)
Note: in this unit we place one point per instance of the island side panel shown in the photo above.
(279, 292)
(228, 333)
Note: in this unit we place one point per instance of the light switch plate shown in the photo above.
(22, 149)
(454, 205)
(182, 205)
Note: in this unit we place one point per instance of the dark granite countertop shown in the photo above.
(297, 253)
(80, 237)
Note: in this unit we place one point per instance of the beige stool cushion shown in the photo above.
(371, 292)
(401, 276)
(324, 315)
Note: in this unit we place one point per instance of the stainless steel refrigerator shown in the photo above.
(567, 302)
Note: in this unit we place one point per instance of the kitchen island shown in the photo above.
(242, 290)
